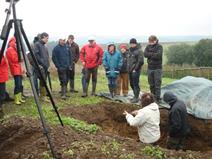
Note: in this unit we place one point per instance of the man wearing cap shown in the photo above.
(91, 57)
(136, 60)
(154, 54)
(123, 79)
(74, 51)
(42, 56)
(62, 60)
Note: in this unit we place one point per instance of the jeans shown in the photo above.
(18, 84)
(134, 82)
(154, 80)
(112, 82)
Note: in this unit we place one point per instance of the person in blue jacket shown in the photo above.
(62, 61)
(112, 61)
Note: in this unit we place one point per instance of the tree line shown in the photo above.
(199, 54)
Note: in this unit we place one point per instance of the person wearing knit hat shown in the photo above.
(154, 54)
(135, 62)
(123, 79)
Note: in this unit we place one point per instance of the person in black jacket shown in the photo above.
(42, 56)
(74, 52)
(62, 61)
(135, 62)
(154, 53)
(123, 79)
(178, 126)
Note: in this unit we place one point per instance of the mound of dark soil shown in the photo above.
(109, 117)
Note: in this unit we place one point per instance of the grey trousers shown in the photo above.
(155, 80)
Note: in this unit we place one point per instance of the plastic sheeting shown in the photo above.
(195, 92)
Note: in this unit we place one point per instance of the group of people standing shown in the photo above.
(122, 65)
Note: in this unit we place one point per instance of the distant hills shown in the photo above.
(125, 39)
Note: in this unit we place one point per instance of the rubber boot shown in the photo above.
(17, 100)
(85, 91)
(93, 89)
(136, 96)
(63, 93)
(72, 90)
(20, 98)
(111, 90)
(43, 94)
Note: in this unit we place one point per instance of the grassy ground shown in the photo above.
(29, 108)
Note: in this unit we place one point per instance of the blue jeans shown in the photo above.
(112, 82)
(18, 84)
(134, 82)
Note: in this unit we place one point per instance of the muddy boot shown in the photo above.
(8, 98)
(1, 112)
(17, 100)
(85, 91)
(63, 92)
(20, 98)
(93, 89)
(72, 90)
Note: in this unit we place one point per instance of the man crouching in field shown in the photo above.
(147, 119)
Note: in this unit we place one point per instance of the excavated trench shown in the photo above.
(109, 117)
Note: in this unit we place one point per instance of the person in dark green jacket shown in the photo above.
(112, 62)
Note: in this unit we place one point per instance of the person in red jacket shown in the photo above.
(15, 69)
(3, 79)
(91, 57)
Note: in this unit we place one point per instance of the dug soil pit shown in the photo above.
(109, 117)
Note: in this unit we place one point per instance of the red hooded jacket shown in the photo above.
(3, 70)
(12, 57)
(91, 55)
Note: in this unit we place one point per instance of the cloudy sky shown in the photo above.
(114, 17)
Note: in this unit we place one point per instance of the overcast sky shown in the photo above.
(114, 17)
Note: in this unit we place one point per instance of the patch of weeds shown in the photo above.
(46, 155)
(84, 146)
(128, 156)
(68, 153)
(110, 148)
(80, 125)
(155, 152)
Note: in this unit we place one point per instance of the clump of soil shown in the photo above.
(109, 117)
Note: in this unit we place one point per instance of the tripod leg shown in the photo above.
(39, 71)
(29, 73)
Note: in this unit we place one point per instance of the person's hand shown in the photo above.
(83, 63)
(134, 112)
(125, 113)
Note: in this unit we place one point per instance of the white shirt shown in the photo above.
(147, 121)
